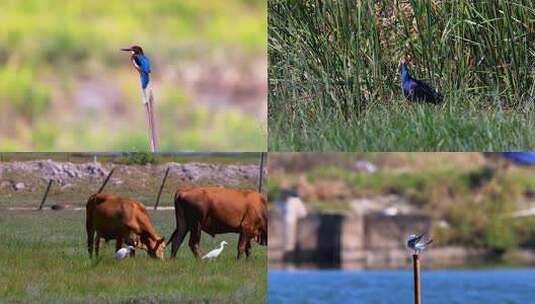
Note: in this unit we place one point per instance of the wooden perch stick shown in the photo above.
(148, 102)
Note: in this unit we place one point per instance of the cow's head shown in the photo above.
(154, 247)
(158, 249)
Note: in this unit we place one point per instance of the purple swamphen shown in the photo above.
(414, 89)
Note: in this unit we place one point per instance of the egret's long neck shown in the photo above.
(404, 73)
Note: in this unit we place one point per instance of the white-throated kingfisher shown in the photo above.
(141, 63)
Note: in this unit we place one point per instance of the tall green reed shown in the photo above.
(339, 57)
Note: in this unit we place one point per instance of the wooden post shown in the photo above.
(416, 270)
(46, 194)
(154, 130)
(161, 188)
(261, 173)
(106, 180)
(148, 102)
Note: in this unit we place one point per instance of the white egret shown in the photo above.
(215, 253)
(123, 252)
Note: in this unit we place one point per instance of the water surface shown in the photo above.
(395, 286)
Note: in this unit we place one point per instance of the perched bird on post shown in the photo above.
(142, 65)
(123, 252)
(416, 90)
(215, 253)
(417, 243)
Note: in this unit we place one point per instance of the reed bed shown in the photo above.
(334, 84)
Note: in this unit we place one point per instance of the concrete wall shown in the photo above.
(319, 239)
(275, 231)
(346, 241)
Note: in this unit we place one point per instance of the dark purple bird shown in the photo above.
(414, 89)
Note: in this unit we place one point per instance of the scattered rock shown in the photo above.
(6, 185)
(364, 166)
(66, 186)
(69, 175)
(19, 186)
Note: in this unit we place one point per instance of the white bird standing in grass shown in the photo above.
(215, 253)
(123, 252)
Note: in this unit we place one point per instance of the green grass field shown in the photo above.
(334, 83)
(43, 258)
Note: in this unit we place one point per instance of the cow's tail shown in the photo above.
(92, 202)
(89, 208)
(176, 219)
(171, 237)
(181, 226)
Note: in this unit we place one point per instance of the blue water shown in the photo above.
(438, 286)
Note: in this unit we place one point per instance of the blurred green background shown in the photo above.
(65, 86)
(472, 198)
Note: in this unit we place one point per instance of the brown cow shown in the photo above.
(216, 211)
(121, 219)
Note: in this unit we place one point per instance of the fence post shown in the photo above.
(106, 181)
(261, 173)
(416, 271)
(45, 195)
(161, 188)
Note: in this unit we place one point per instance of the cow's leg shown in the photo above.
(195, 239)
(97, 244)
(248, 248)
(177, 239)
(90, 238)
(242, 244)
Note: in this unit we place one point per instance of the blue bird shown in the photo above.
(141, 63)
(416, 90)
(521, 158)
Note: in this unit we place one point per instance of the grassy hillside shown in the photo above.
(334, 84)
(64, 84)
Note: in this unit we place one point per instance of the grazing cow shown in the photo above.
(123, 220)
(216, 211)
